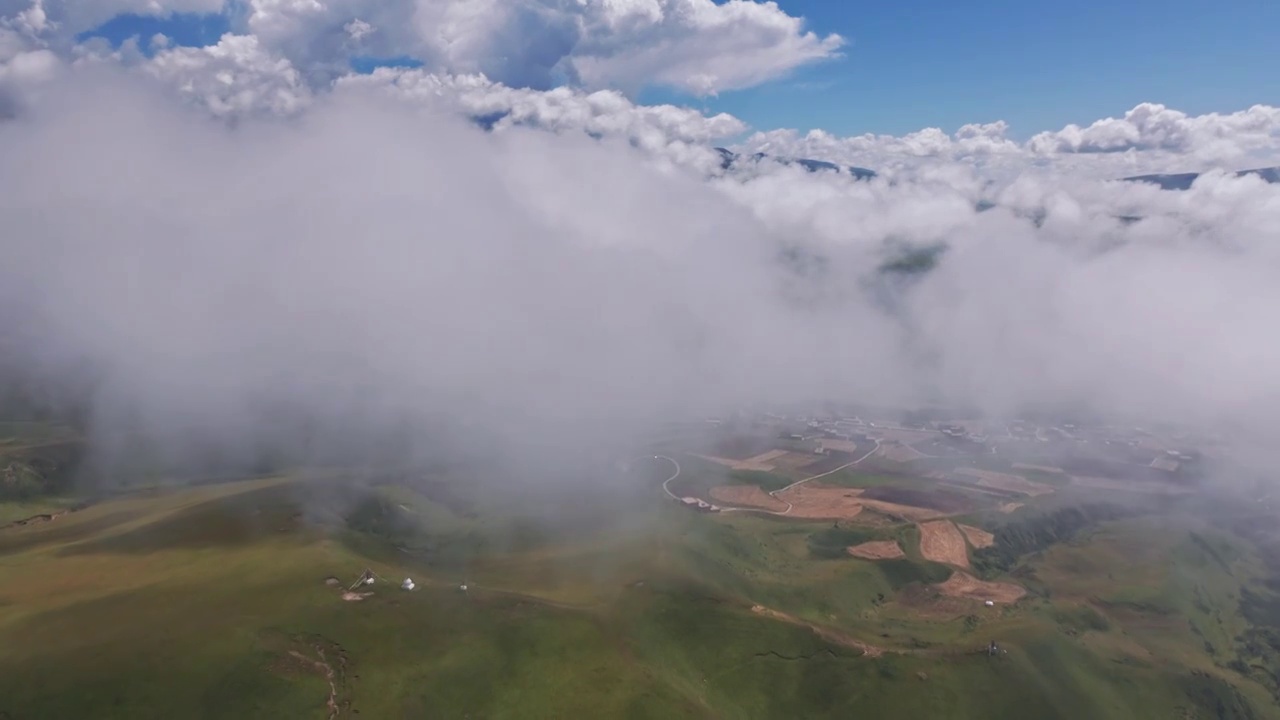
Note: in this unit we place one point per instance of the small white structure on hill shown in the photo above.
(407, 584)
(991, 603)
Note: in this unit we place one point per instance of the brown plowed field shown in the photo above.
(940, 541)
(977, 537)
(962, 584)
(747, 496)
(877, 550)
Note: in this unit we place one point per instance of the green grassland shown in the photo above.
(210, 602)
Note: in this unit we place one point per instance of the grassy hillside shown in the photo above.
(211, 602)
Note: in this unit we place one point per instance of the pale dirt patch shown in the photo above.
(904, 436)
(977, 537)
(832, 636)
(1143, 486)
(764, 457)
(813, 500)
(355, 596)
(940, 541)
(906, 512)
(841, 445)
(1009, 507)
(747, 496)
(747, 464)
(1041, 468)
(877, 550)
(962, 584)
(1004, 481)
(792, 465)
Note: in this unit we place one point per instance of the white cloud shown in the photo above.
(695, 45)
(1150, 126)
(662, 129)
(232, 78)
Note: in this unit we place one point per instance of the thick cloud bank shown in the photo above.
(209, 241)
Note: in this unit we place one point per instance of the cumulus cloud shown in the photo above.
(1151, 126)
(235, 77)
(700, 46)
(661, 129)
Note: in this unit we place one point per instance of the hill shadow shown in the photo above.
(230, 521)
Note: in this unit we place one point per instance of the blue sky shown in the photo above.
(919, 63)
(911, 64)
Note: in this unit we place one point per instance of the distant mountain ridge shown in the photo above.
(728, 158)
(1183, 181)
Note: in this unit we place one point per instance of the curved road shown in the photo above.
(798, 483)
(667, 482)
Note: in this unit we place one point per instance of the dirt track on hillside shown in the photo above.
(1004, 481)
(977, 537)
(747, 496)
(832, 636)
(877, 550)
(962, 584)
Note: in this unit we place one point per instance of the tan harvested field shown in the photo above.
(977, 537)
(813, 500)
(1009, 507)
(1004, 481)
(897, 452)
(940, 541)
(962, 584)
(877, 550)
(747, 496)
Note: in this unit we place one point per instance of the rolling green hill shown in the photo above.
(211, 602)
